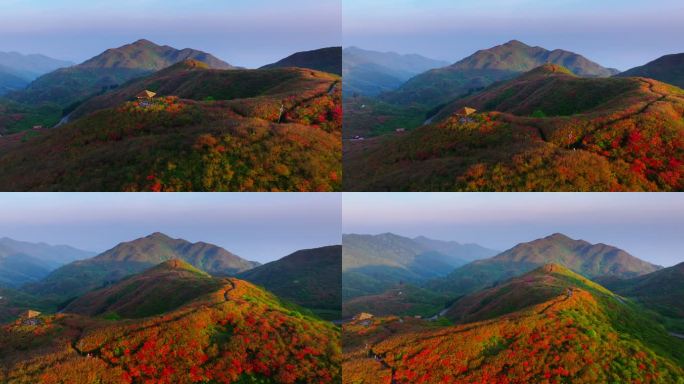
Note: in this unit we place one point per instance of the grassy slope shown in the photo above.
(591, 260)
(134, 257)
(239, 333)
(405, 299)
(588, 337)
(310, 278)
(660, 291)
(629, 136)
(160, 289)
(180, 145)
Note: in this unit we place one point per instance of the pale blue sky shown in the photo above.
(648, 225)
(255, 226)
(247, 33)
(614, 33)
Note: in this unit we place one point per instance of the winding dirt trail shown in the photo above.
(651, 88)
(97, 353)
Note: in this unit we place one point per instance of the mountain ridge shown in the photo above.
(590, 260)
(323, 59)
(485, 67)
(668, 69)
(133, 257)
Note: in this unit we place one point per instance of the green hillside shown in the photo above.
(134, 257)
(310, 278)
(534, 332)
(543, 131)
(157, 290)
(485, 67)
(238, 333)
(668, 69)
(661, 291)
(324, 60)
(185, 144)
(590, 260)
(52, 96)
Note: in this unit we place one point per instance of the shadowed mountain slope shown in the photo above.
(485, 67)
(590, 260)
(324, 59)
(134, 257)
(668, 69)
(159, 289)
(309, 277)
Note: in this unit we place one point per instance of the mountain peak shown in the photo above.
(158, 236)
(558, 236)
(517, 43)
(143, 42)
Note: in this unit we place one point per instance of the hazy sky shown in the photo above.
(648, 225)
(615, 33)
(248, 33)
(255, 226)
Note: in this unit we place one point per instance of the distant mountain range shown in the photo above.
(369, 73)
(668, 69)
(324, 59)
(24, 262)
(17, 70)
(133, 257)
(373, 263)
(309, 277)
(108, 70)
(485, 67)
(589, 260)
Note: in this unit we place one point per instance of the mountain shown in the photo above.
(370, 73)
(29, 67)
(236, 333)
(309, 277)
(662, 290)
(106, 71)
(534, 332)
(23, 262)
(668, 69)
(485, 67)
(9, 81)
(590, 260)
(468, 252)
(538, 286)
(324, 60)
(133, 257)
(206, 130)
(546, 130)
(157, 290)
(373, 263)
(17, 70)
